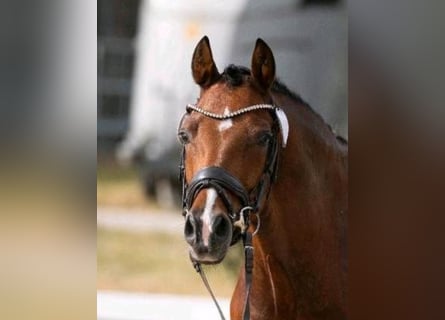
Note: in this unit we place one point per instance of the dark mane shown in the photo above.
(234, 76)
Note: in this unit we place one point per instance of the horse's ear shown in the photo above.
(204, 69)
(263, 64)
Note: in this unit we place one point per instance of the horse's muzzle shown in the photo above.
(208, 242)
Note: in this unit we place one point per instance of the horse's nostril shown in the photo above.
(221, 226)
(189, 230)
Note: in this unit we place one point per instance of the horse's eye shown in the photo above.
(264, 138)
(183, 137)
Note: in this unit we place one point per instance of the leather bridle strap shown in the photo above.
(248, 255)
(198, 269)
(219, 179)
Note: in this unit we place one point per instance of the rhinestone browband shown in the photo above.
(231, 114)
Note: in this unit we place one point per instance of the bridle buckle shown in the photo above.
(243, 221)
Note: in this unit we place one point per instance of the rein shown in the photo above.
(222, 181)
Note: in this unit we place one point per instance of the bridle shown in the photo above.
(224, 182)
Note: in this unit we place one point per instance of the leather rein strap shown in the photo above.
(222, 181)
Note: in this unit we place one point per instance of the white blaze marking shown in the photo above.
(225, 124)
(207, 215)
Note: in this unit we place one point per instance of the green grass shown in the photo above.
(157, 262)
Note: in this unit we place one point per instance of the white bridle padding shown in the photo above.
(284, 125)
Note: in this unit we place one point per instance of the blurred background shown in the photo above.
(55, 129)
(144, 82)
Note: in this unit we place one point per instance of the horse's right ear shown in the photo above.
(263, 64)
(204, 69)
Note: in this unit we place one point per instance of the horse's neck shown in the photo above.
(311, 190)
(302, 226)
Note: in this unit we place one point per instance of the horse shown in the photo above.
(259, 160)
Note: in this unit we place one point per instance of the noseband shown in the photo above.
(224, 182)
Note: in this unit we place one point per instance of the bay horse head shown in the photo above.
(245, 127)
(231, 139)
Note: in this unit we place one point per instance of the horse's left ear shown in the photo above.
(263, 64)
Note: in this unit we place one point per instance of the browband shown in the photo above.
(279, 114)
